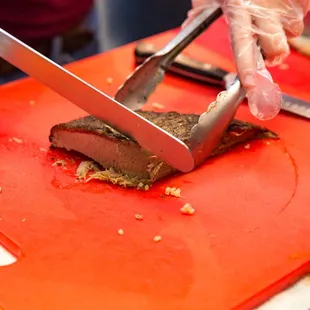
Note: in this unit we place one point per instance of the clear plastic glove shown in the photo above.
(269, 23)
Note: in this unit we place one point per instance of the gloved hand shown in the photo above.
(268, 23)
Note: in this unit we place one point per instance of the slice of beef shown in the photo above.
(125, 161)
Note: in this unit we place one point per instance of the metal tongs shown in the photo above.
(206, 135)
(119, 112)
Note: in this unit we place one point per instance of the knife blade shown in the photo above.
(209, 74)
(93, 101)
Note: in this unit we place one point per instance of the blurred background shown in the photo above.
(123, 21)
(68, 30)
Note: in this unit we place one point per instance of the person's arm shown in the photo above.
(269, 24)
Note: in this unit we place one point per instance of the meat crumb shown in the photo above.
(42, 149)
(139, 217)
(247, 146)
(268, 143)
(157, 105)
(31, 102)
(187, 209)
(120, 232)
(23, 220)
(173, 191)
(17, 140)
(109, 80)
(59, 163)
(157, 238)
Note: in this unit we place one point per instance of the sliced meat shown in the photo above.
(125, 161)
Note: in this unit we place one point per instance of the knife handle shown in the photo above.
(186, 67)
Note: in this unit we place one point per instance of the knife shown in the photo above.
(212, 75)
(96, 103)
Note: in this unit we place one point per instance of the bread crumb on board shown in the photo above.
(157, 238)
(109, 80)
(120, 232)
(17, 140)
(173, 191)
(187, 209)
(157, 105)
(247, 146)
(139, 217)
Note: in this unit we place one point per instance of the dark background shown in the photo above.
(125, 21)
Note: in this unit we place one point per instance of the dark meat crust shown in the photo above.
(179, 125)
(175, 123)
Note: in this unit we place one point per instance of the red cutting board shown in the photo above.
(248, 239)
